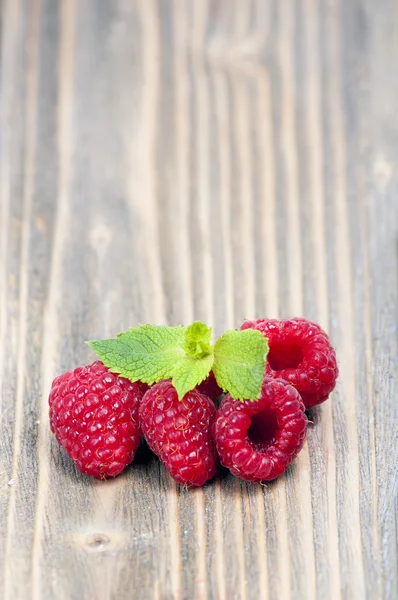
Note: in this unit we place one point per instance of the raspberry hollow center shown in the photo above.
(262, 431)
(284, 356)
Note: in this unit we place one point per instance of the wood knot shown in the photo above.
(97, 542)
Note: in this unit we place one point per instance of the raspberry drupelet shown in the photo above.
(209, 387)
(179, 432)
(301, 354)
(94, 416)
(257, 440)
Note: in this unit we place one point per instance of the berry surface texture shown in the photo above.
(94, 416)
(209, 387)
(257, 441)
(179, 432)
(300, 353)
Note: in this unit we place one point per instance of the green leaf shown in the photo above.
(147, 353)
(239, 363)
(190, 371)
(150, 353)
(198, 340)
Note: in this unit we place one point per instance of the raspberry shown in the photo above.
(209, 387)
(299, 352)
(94, 416)
(257, 440)
(179, 432)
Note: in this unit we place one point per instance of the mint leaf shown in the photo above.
(147, 353)
(198, 340)
(190, 371)
(239, 363)
(150, 353)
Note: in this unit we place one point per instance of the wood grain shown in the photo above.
(170, 160)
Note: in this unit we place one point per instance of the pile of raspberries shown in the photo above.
(99, 417)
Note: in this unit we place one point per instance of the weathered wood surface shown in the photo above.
(169, 160)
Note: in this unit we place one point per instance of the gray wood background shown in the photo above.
(164, 161)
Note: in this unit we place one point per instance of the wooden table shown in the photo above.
(165, 161)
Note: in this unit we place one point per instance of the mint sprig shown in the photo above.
(185, 355)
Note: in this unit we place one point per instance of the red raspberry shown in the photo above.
(94, 416)
(209, 387)
(179, 432)
(299, 352)
(258, 440)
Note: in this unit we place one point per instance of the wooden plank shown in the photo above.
(164, 161)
